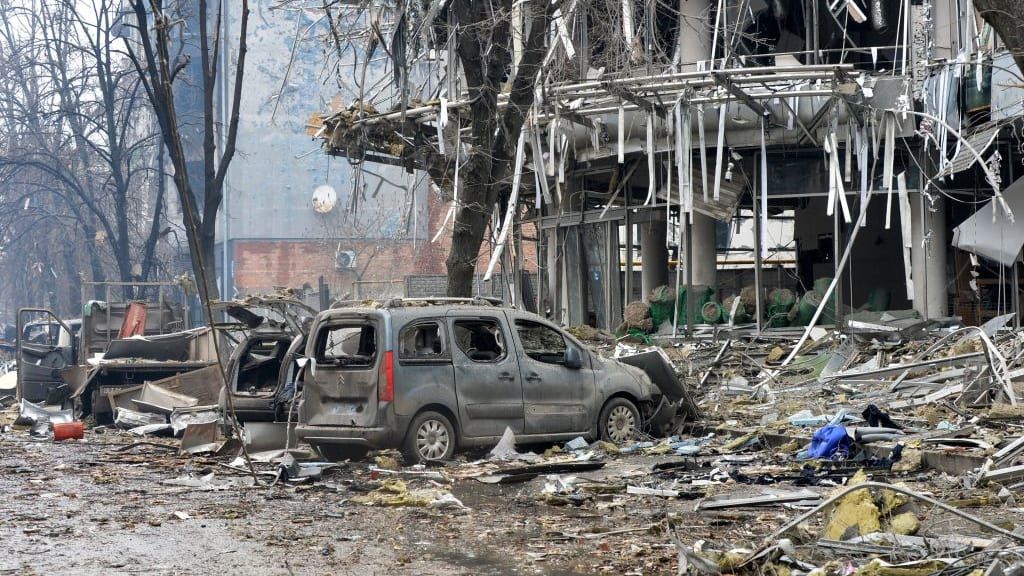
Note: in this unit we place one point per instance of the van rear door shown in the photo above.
(347, 364)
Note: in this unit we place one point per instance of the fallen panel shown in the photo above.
(657, 365)
(1000, 240)
(760, 500)
(128, 418)
(183, 417)
(159, 400)
(204, 384)
(1009, 451)
(29, 414)
(201, 438)
(1004, 474)
(122, 397)
(266, 436)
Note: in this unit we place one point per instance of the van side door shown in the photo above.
(487, 383)
(556, 396)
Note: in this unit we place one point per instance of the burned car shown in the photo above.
(115, 348)
(431, 377)
(262, 371)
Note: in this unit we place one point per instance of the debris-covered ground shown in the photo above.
(923, 415)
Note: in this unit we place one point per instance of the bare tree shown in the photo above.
(159, 34)
(480, 43)
(78, 137)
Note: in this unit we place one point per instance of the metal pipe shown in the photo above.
(757, 244)
(774, 536)
(832, 286)
(754, 75)
(706, 100)
(689, 279)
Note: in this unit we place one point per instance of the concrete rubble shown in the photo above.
(874, 452)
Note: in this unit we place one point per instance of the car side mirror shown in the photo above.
(572, 358)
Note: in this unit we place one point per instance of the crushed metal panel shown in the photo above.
(157, 399)
(201, 438)
(181, 418)
(980, 139)
(30, 413)
(1001, 240)
(128, 419)
(163, 348)
(656, 364)
(204, 384)
(121, 397)
(266, 436)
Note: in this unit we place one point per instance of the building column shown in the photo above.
(928, 265)
(654, 252)
(705, 254)
(695, 33)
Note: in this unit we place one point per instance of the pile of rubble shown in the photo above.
(892, 446)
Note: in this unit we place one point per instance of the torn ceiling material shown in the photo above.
(1000, 240)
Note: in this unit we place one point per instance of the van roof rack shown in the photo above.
(442, 301)
(429, 301)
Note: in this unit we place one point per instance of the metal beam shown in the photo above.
(723, 81)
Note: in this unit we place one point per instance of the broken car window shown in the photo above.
(480, 340)
(421, 342)
(542, 343)
(348, 345)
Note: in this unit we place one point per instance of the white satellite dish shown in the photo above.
(324, 198)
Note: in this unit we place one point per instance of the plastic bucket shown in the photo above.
(68, 431)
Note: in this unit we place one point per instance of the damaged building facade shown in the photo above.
(765, 157)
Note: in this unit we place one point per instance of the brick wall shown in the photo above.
(261, 266)
(264, 265)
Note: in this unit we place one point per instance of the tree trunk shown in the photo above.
(1007, 18)
(470, 226)
(208, 250)
(485, 57)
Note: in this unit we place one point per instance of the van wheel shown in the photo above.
(619, 422)
(431, 437)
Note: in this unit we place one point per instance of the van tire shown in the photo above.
(431, 437)
(619, 421)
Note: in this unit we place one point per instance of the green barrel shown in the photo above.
(781, 297)
(878, 300)
(703, 294)
(741, 316)
(711, 312)
(662, 305)
(829, 315)
(805, 310)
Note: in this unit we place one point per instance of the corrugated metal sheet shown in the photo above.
(728, 197)
(980, 140)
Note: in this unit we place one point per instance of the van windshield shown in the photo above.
(348, 345)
